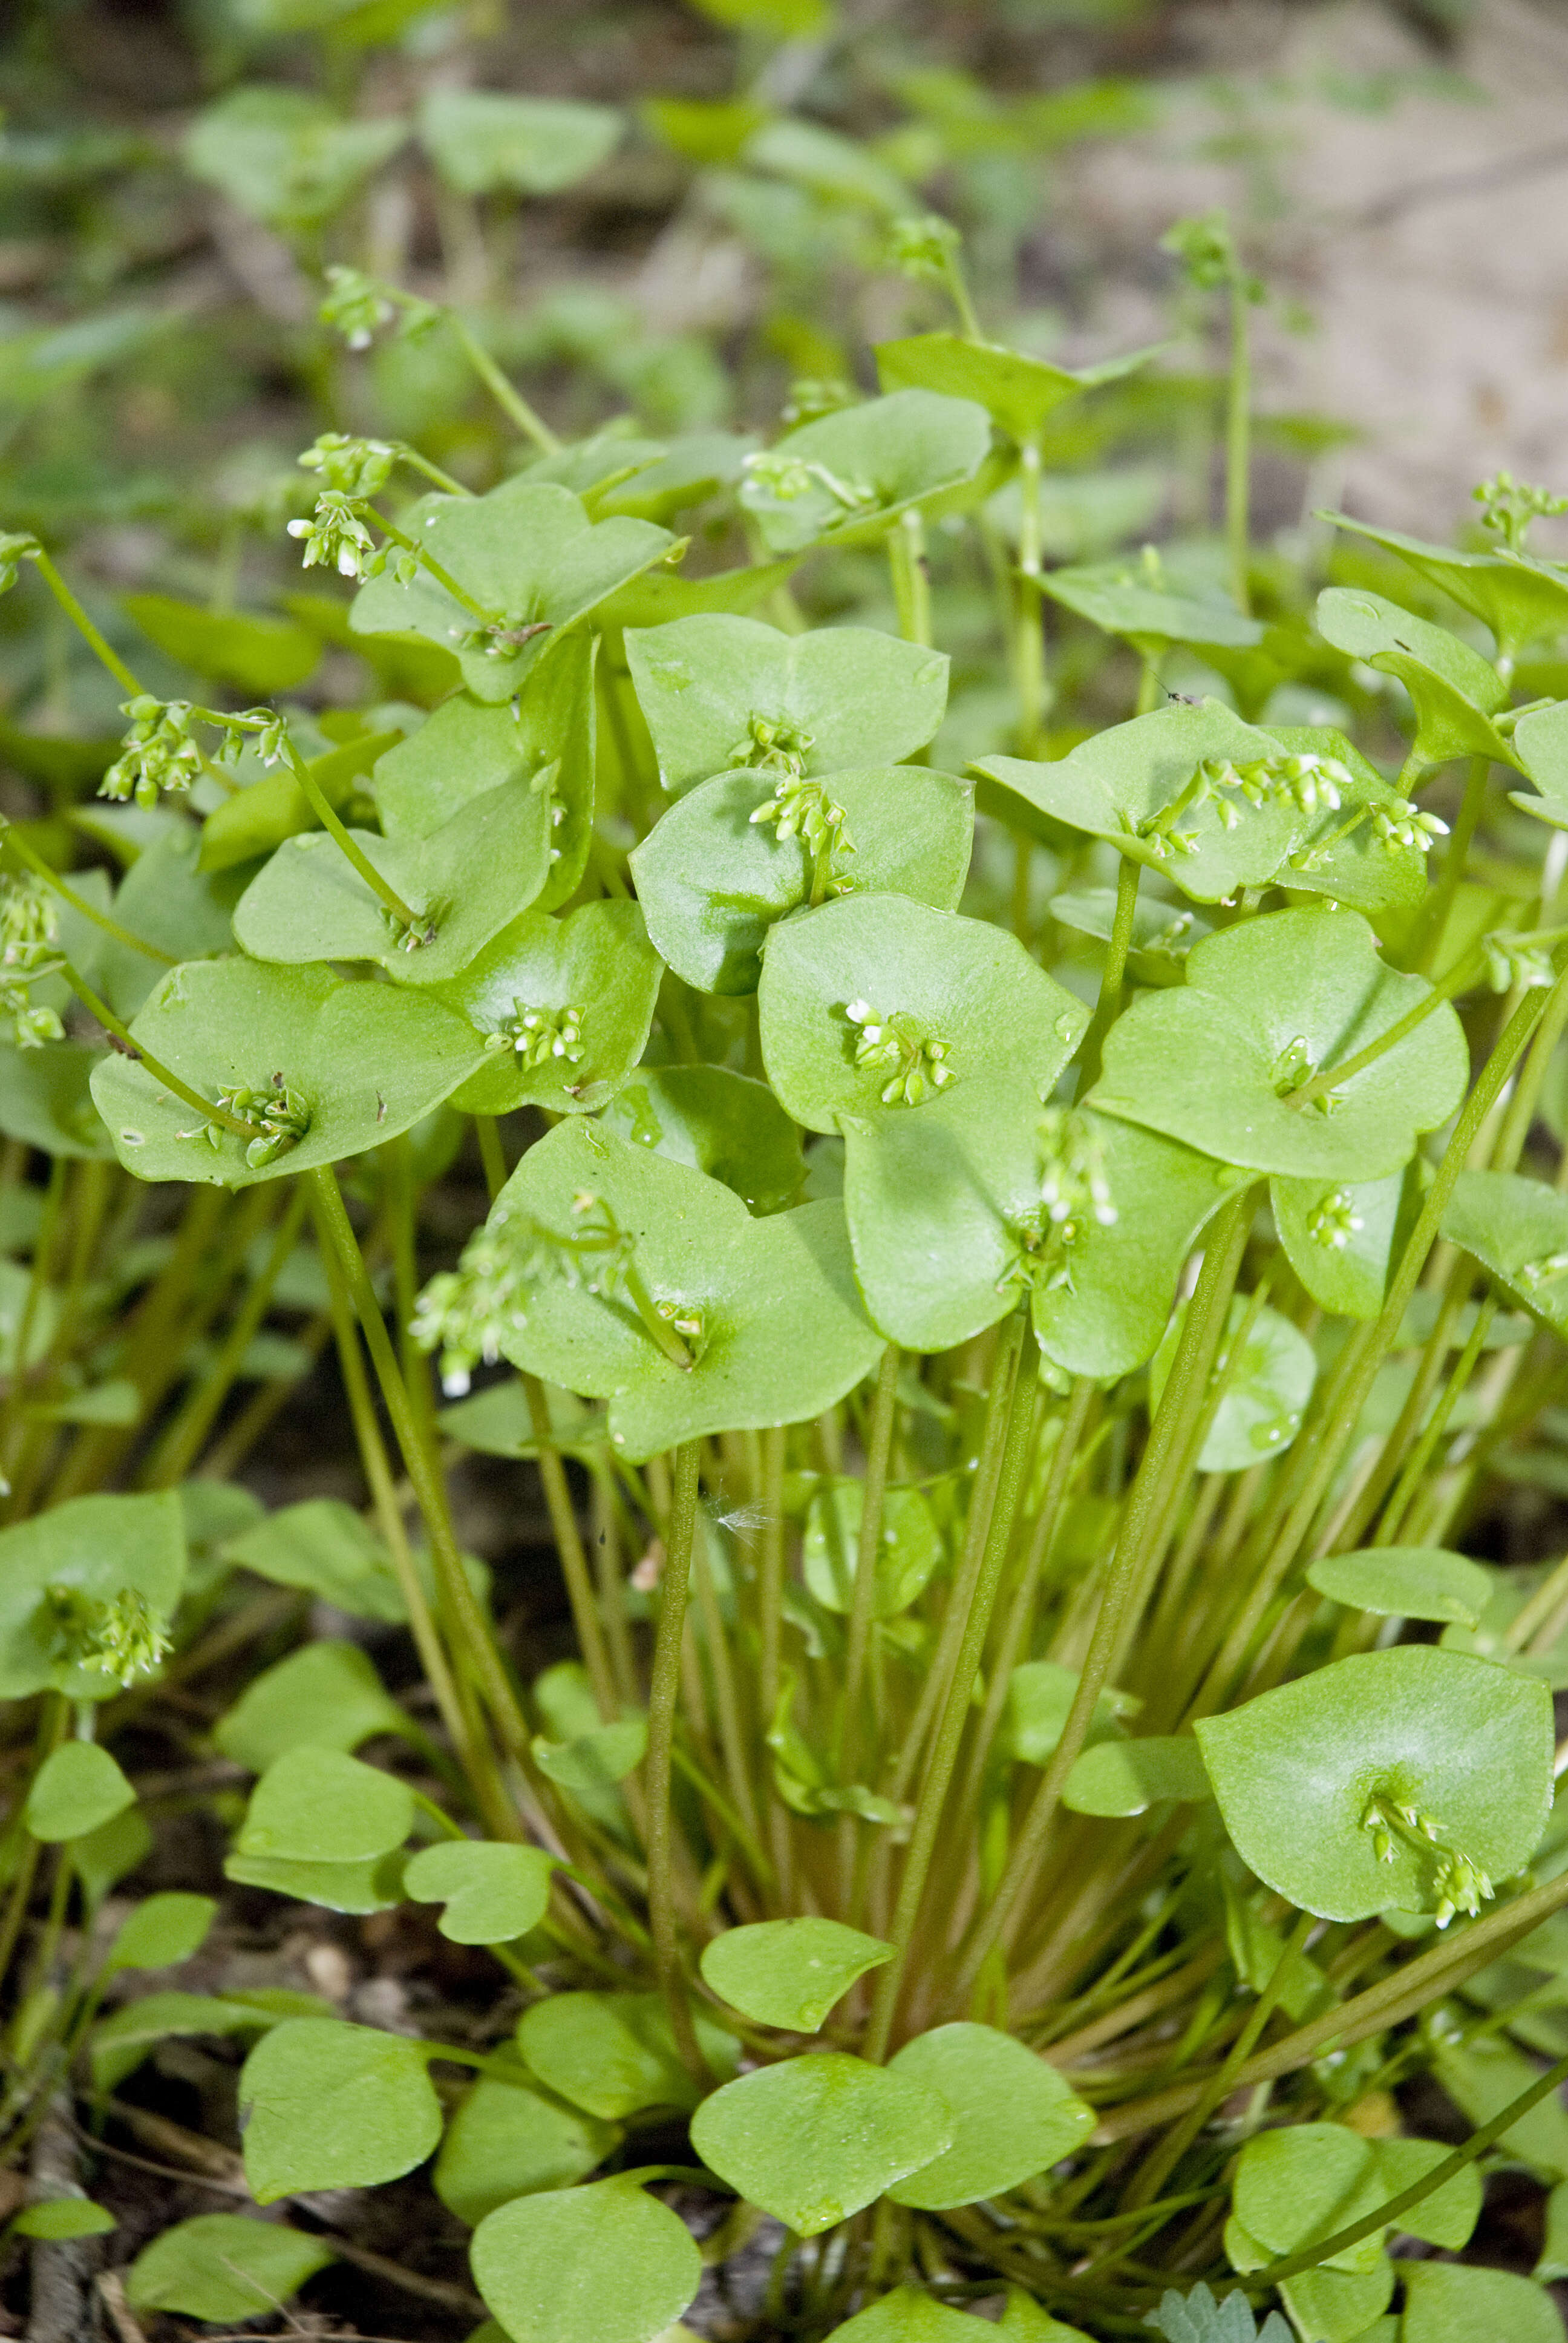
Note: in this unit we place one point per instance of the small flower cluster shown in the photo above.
(1403, 823)
(918, 1064)
(1072, 1180)
(358, 306)
(283, 1118)
(1511, 505)
(808, 398)
(124, 1638)
(160, 751)
(1306, 780)
(924, 247)
(1522, 963)
(537, 1035)
(774, 476)
(467, 1311)
(28, 930)
(1540, 1273)
(1458, 1884)
(1335, 1221)
(351, 468)
(773, 742)
(336, 537)
(803, 809)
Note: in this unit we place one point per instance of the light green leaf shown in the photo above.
(106, 1856)
(607, 2260)
(1517, 1229)
(373, 1886)
(512, 2139)
(1013, 2115)
(1552, 2265)
(909, 2316)
(95, 1547)
(1128, 1778)
(257, 654)
(713, 879)
(1017, 391)
(719, 690)
(529, 553)
(326, 1695)
(782, 1336)
(121, 2041)
(833, 167)
(1126, 598)
(1339, 1238)
(323, 1545)
(1266, 1005)
(260, 816)
(590, 980)
(492, 1892)
(1453, 690)
(613, 2054)
(77, 1788)
(1485, 2076)
(720, 1122)
(60, 2218)
(1040, 1698)
(813, 2139)
(1339, 2306)
(1450, 2212)
(1027, 2322)
(1307, 2181)
(844, 478)
(284, 157)
(789, 1972)
(482, 139)
(1522, 600)
(1162, 936)
(594, 1762)
(1314, 1778)
(329, 2105)
(46, 1100)
(225, 2266)
(910, 1549)
(321, 1805)
(163, 1931)
(366, 1060)
(1405, 1582)
(1447, 2302)
(1265, 1394)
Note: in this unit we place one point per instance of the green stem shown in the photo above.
(427, 560)
(1458, 980)
(388, 894)
(85, 626)
(1028, 607)
(208, 1109)
(510, 401)
(433, 472)
(873, 1491)
(912, 580)
(569, 1547)
(1440, 903)
(18, 846)
(491, 1158)
(1113, 975)
(1238, 449)
(663, 1692)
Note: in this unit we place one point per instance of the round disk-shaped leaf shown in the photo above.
(1406, 1581)
(607, 2260)
(1268, 1004)
(712, 879)
(613, 2054)
(365, 1060)
(1149, 610)
(587, 982)
(813, 2139)
(720, 1122)
(161, 1932)
(59, 2219)
(958, 1002)
(321, 1805)
(1013, 2115)
(846, 476)
(779, 1331)
(1304, 1772)
(1339, 1238)
(78, 1787)
(329, 2105)
(492, 1891)
(1265, 1389)
(1518, 1229)
(789, 1972)
(225, 2266)
(1119, 1777)
(910, 1549)
(1295, 2185)
(718, 690)
(511, 2140)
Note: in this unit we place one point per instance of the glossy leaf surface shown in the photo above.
(589, 981)
(1013, 2115)
(813, 2139)
(789, 1972)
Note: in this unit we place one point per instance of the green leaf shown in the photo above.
(168, 900)
(1522, 600)
(162, 1931)
(1027, 2322)
(1265, 1394)
(368, 1059)
(1447, 2302)
(1040, 1698)
(789, 1972)
(1125, 597)
(373, 1886)
(835, 168)
(284, 157)
(594, 1762)
(837, 700)
(1339, 1238)
(257, 654)
(1454, 691)
(320, 1806)
(492, 1892)
(329, 2105)
(326, 1695)
(1552, 2265)
(512, 2139)
(844, 478)
(260, 816)
(1450, 2212)
(78, 1787)
(783, 1335)
(607, 2260)
(813, 2139)
(910, 1549)
(60, 2218)
(592, 978)
(122, 2040)
(1485, 2076)
(225, 2266)
(719, 1122)
(1541, 745)
(1013, 2115)
(907, 2316)
(1267, 1004)
(1306, 2182)
(1200, 2319)
(1017, 391)
(1517, 1229)
(1339, 2306)
(482, 139)
(46, 1100)
(713, 879)
(529, 553)
(1162, 936)
(98, 1548)
(325, 1546)
(1128, 1778)
(1405, 1582)
(106, 1856)
(613, 2054)
(1298, 1772)
(975, 1003)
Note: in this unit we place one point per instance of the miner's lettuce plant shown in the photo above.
(1040, 1764)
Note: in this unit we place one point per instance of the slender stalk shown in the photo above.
(1238, 448)
(510, 401)
(663, 1692)
(491, 1158)
(873, 1490)
(1439, 901)
(208, 1109)
(569, 1547)
(911, 579)
(1029, 608)
(17, 845)
(769, 1635)
(386, 893)
(1458, 980)
(1113, 977)
(83, 625)
(437, 570)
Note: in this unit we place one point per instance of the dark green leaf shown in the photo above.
(77, 1788)
(257, 654)
(260, 816)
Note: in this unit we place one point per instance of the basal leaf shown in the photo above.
(589, 982)
(326, 1695)
(909, 1551)
(1013, 2115)
(1127, 1777)
(224, 2267)
(789, 1972)
(78, 1787)
(1405, 1582)
(162, 1931)
(1518, 1229)
(720, 1122)
(493, 1892)
(330, 2106)
(813, 2139)
(96, 1550)
(513, 2140)
(613, 2054)
(320, 1806)
(607, 2260)
(323, 1545)
(1265, 1389)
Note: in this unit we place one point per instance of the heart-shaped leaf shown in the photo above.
(225, 2267)
(97, 1552)
(607, 2260)
(374, 1885)
(846, 477)
(613, 2054)
(492, 1891)
(911, 1547)
(593, 1762)
(813, 2139)
(789, 1972)
(1128, 1778)
(565, 1006)
(719, 690)
(1522, 600)
(1265, 1392)
(162, 1931)
(733, 856)
(1339, 1238)
(329, 2105)
(1517, 1229)
(1013, 2115)
(719, 1122)
(1268, 1004)
(528, 555)
(1454, 692)
(364, 1059)
(1017, 391)
(1405, 1582)
(77, 1786)
(772, 1324)
(1317, 1781)
(320, 1806)
(326, 1546)
(284, 156)
(483, 139)
(1541, 745)
(874, 1004)
(326, 1695)
(1138, 601)
(509, 2138)
(1306, 2182)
